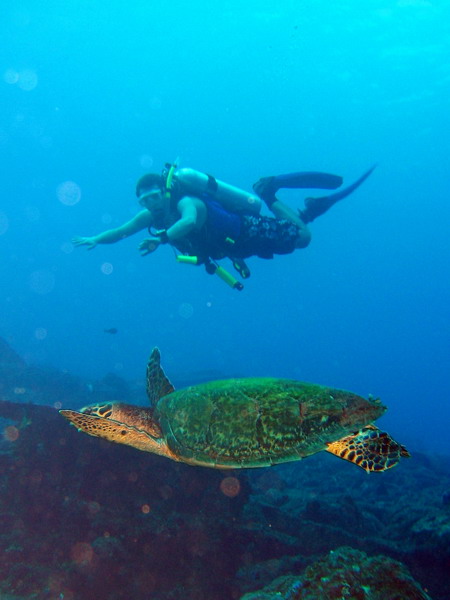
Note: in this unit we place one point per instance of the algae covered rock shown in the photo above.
(346, 574)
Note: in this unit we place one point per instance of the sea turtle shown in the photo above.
(240, 423)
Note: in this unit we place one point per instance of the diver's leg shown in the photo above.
(285, 212)
(268, 186)
(304, 238)
(265, 236)
(315, 207)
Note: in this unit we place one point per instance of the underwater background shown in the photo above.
(94, 95)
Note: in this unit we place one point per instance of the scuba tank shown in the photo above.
(189, 181)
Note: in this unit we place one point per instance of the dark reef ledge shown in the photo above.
(345, 574)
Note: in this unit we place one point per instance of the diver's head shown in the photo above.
(148, 183)
(150, 192)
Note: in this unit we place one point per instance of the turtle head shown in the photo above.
(355, 411)
(120, 423)
(330, 411)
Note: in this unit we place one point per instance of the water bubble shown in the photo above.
(11, 76)
(230, 486)
(107, 268)
(146, 161)
(82, 553)
(185, 310)
(4, 223)
(11, 433)
(42, 281)
(106, 219)
(69, 193)
(28, 80)
(67, 248)
(40, 333)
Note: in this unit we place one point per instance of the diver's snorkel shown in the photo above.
(167, 174)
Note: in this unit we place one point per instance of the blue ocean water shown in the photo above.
(94, 95)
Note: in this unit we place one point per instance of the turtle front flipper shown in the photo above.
(371, 449)
(158, 384)
(120, 423)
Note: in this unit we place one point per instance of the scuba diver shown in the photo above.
(206, 220)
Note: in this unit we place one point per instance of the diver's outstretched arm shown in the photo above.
(141, 221)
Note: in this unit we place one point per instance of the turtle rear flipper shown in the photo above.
(371, 449)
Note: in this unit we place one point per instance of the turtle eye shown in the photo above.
(102, 410)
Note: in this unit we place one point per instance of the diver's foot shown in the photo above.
(266, 188)
(241, 267)
(307, 214)
(303, 214)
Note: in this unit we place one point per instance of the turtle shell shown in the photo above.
(258, 422)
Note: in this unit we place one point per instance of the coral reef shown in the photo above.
(346, 574)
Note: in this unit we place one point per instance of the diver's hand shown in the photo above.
(90, 242)
(149, 245)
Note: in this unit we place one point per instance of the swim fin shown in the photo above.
(267, 187)
(318, 206)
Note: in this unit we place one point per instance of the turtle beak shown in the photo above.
(114, 431)
(83, 422)
(101, 427)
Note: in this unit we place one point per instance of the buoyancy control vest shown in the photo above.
(224, 203)
(218, 235)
